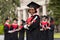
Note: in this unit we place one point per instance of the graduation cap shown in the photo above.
(33, 5)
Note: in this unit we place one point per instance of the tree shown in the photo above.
(54, 5)
(7, 8)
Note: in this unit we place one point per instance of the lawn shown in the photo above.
(1, 29)
(57, 35)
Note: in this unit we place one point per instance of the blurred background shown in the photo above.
(8, 8)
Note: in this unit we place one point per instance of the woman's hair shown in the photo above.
(15, 19)
(34, 9)
(7, 19)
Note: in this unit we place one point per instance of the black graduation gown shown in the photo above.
(21, 33)
(6, 34)
(44, 34)
(14, 35)
(33, 32)
(51, 31)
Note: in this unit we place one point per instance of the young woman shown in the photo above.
(33, 22)
(22, 30)
(51, 31)
(6, 30)
(45, 26)
(14, 26)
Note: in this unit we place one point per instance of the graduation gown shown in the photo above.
(33, 32)
(14, 35)
(44, 33)
(6, 34)
(21, 33)
(51, 31)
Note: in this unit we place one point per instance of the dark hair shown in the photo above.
(15, 19)
(6, 19)
(34, 9)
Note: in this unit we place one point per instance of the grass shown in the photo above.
(1, 29)
(57, 35)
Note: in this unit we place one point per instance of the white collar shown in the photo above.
(6, 23)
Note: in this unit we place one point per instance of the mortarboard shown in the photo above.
(33, 5)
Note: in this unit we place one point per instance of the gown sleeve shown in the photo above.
(35, 24)
(6, 29)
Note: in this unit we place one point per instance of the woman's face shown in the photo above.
(8, 20)
(44, 19)
(32, 11)
(15, 21)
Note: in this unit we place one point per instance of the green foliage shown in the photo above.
(8, 8)
(16, 2)
(54, 5)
